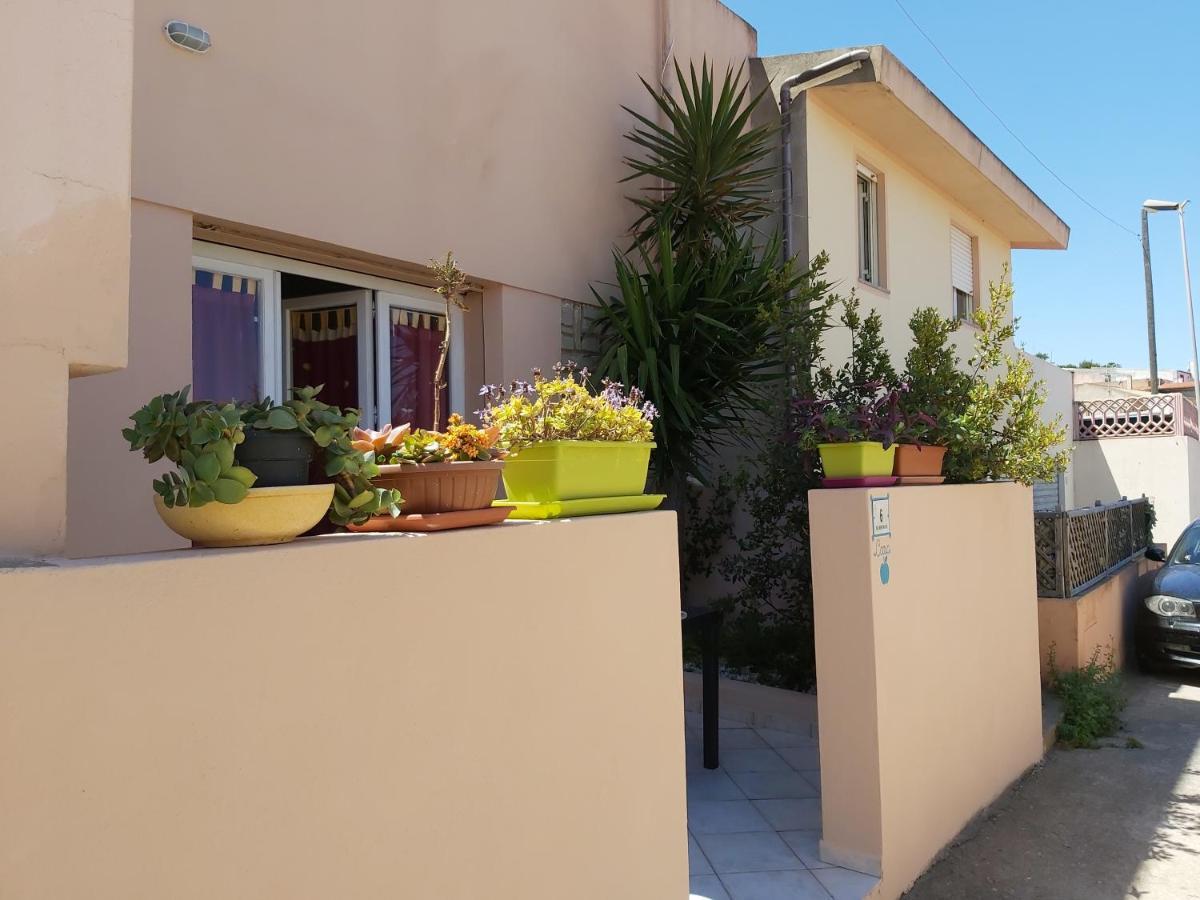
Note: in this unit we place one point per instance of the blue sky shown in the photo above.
(1106, 94)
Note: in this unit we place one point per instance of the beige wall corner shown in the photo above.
(204, 724)
(64, 177)
(66, 82)
(927, 644)
(108, 486)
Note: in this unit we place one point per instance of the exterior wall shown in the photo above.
(107, 483)
(1165, 469)
(523, 330)
(929, 697)
(207, 725)
(65, 96)
(916, 230)
(494, 129)
(1076, 627)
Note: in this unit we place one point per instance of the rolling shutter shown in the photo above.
(962, 261)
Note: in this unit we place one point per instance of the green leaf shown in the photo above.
(207, 467)
(241, 474)
(282, 419)
(323, 436)
(229, 490)
(362, 499)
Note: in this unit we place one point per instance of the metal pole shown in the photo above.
(1187, 282)
(1149, 301)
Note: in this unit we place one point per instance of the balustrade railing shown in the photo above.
(1155, 415)
(1080, 547)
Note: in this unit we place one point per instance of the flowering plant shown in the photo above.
(460, 442)
(562, 408)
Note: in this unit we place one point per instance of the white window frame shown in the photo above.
(386, 293)
(973, 294)
(270, 374)
(870, 259)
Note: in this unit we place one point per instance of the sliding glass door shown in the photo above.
(409, 334)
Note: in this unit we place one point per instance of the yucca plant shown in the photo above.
(706, 174)
(699, 297)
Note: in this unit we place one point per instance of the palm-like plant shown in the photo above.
(708, 171)
(700, 297)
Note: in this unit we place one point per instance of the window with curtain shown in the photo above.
(416, 340)
(325, 352)
(225, 341)
(962, 273)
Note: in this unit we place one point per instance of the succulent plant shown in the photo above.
(199, 438)
(332, 429)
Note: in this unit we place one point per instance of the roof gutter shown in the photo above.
(840, 65)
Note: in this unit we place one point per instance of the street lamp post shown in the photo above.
(1149, 300)
(1178, 206)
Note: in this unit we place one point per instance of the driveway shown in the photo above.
(1107, 824)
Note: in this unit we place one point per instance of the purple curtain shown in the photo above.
(225, 352)
(328, 355)
(416, 343)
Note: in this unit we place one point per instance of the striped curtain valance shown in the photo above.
(418, 319)
(229, 284)
(324, 324)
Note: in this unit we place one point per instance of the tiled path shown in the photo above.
(754, 823)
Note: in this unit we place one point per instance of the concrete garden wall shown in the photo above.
(927, 666)
(350, 717)
(1099, 619)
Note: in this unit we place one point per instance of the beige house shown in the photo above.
(913, 209)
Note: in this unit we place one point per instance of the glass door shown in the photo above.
(409, 334)
(327, 341)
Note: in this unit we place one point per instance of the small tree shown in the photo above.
(451, 282)
(935, 386)
(1001, 432)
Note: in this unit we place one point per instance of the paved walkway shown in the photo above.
(754, 823)
(1108, 824)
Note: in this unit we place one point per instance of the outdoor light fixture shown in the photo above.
(1150, 206)
(189, 37)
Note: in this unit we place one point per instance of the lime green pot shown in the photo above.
(576, 470)
(857, 459)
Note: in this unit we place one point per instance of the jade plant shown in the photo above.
(199, 437)
(355, 498)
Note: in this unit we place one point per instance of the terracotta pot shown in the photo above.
(443, 487)
(918, 460)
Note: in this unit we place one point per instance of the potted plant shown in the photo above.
(209, 498)
(455, 470)
(566, 442)
(856, 440)
(921, 450)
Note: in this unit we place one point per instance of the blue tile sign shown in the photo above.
(881, 528)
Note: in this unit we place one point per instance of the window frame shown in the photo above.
(954, 289)
(873, 229)
(384, 294)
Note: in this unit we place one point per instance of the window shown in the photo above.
(870, 231)
(962, 273)
(262, 325)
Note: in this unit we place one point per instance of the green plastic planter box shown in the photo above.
(575, 470)
(857, 459)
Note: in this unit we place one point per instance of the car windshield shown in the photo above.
(1187, 548)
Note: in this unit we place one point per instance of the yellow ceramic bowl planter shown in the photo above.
(272, 515)
(857, 459)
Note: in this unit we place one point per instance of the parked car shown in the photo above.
(1167, 624)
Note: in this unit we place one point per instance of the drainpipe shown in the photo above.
(840, 65)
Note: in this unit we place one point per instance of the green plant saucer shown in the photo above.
(589, 506)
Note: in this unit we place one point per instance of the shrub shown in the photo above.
(1092, 699)
(935, 386)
